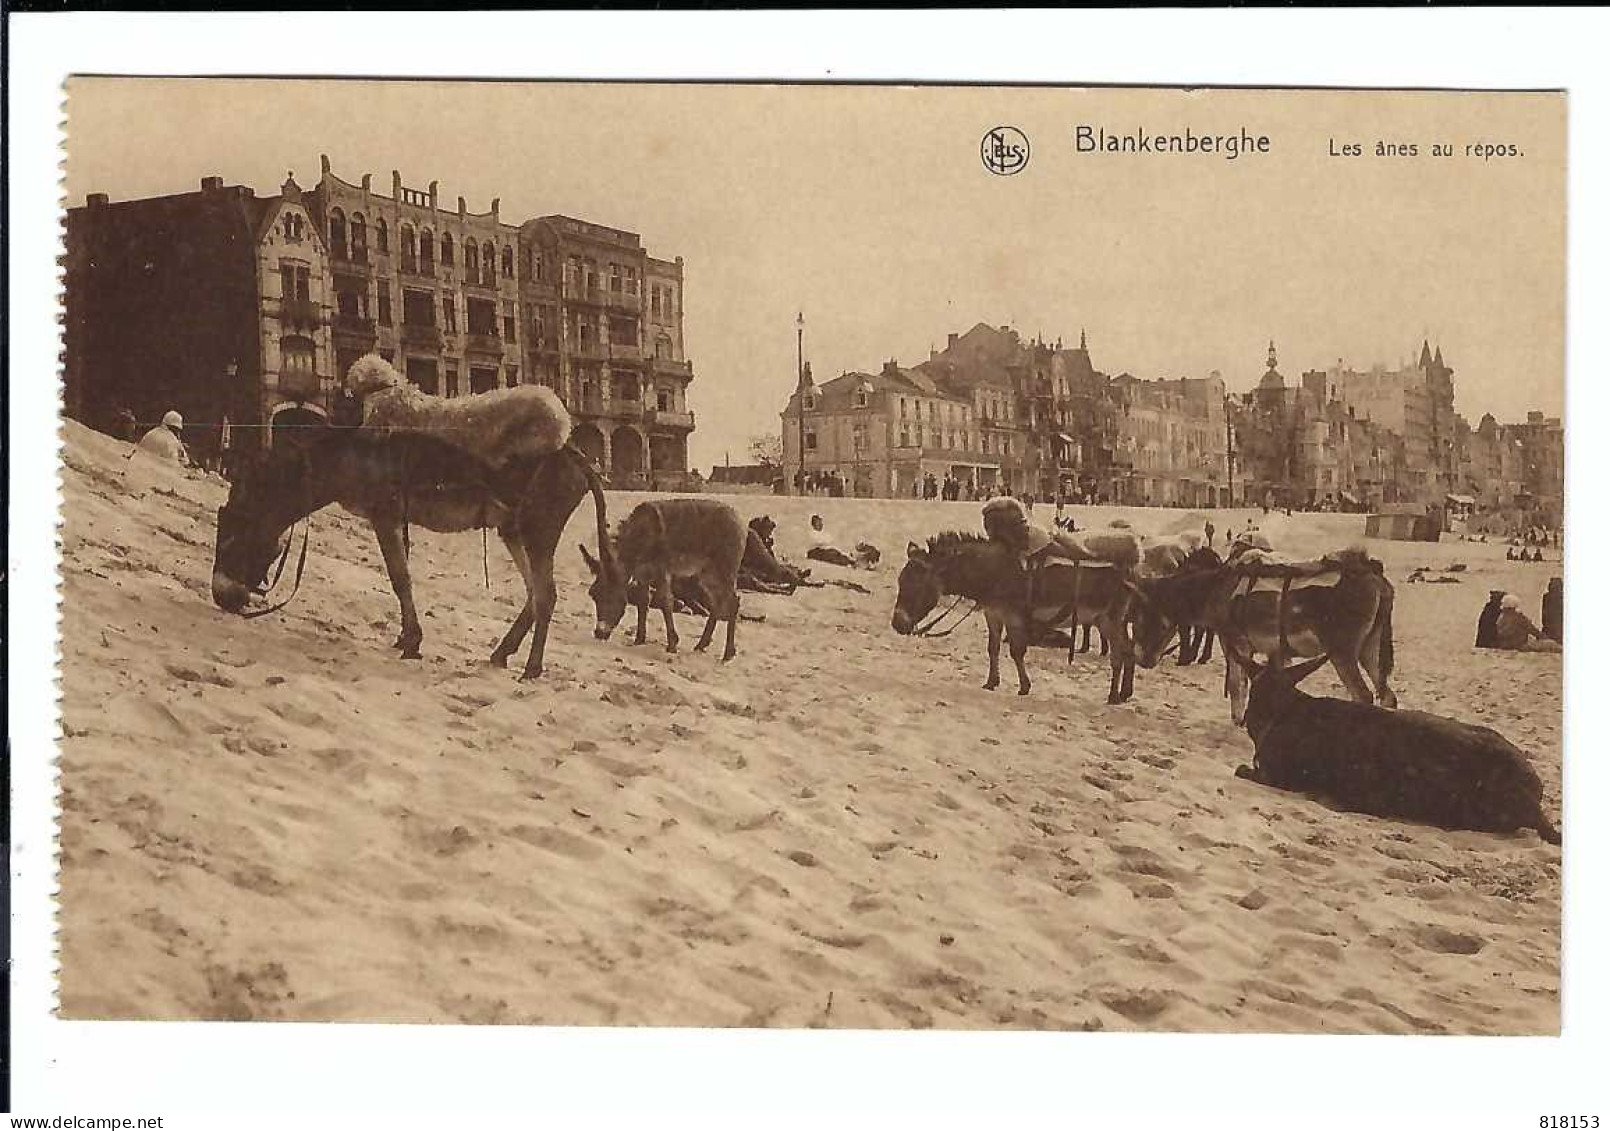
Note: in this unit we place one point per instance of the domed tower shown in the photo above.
(1271, 386)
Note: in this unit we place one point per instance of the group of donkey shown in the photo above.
(499, 460)
(1360, 753)
(1144, 593)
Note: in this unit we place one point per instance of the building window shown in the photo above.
(631, 280)
(615, 278)
(382, 244)
(293, 227)
(447, 249)
(427, 253)
(623, 331)
(304, 284)
(810, 441)
(449, 315)
(810, 402)
(360, 238)
(663, 400)
(662, 347)
(450, 379)
(860, 398)
(508, 262)
(383, 304)
(338, 234)
(654, 301)
(508, 327)
(410, 260)
(488, 265)
(419, 308)
(472, 260)
(537, 270)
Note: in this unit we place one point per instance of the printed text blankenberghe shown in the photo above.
(1096, 139)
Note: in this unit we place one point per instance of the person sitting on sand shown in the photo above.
(165, 440)
(1515, 631)
(822, 548)
(1487, 623)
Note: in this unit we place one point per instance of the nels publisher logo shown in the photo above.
(1005, 150)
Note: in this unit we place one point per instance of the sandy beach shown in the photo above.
(279, 819)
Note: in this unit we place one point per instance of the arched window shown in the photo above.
(405, 235)
(427, 252)
(508, 262)
(338, 234)
(382, 243)
(472, 270)
(536, 264)
(360, 237)
(488, 265)
(447, 249)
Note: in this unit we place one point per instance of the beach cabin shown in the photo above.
(1405, 522)
(1457, 511)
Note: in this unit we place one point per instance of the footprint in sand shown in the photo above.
(1443, 941)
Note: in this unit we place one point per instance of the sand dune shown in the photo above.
(278, 819)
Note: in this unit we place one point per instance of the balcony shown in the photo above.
(662, 418)
(673, 368)
(298, 385)
(588, 406)
(356, 263)
(299, 312)
(620, 300)
(483, 344)
(418, 336)
(419, 270)
(590, 351)
(350, 328)
(577, 292)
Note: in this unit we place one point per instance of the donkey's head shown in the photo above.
(264, 503)
(919, 591)
(1155, 622)
(1274, 690)
(608, 590)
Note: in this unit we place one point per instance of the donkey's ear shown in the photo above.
(592, 562)
(913, 550)
(1296, 673)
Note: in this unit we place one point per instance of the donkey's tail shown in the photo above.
(595, 484)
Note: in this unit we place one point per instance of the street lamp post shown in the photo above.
(799, 375)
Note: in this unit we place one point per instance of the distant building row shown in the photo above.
(995, 411)
(226, 305)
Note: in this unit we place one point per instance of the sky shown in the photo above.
(870, 210)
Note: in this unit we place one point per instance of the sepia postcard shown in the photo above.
(820, 556)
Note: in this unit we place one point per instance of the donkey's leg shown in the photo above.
(1187, 647)
(993, 619)
(1375, 654)
(390, 537)
(731, 649)
(542, 595)
(1345, 661)
(1017, 642)
(668, 608)
(522, 623)
(1207, 646)
(1235, 681)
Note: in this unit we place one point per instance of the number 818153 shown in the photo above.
(1568, 1122)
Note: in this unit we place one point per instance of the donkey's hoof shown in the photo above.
(530, 675)
(498, 661)
(701, 646)
(411, 654)
(725, 656)
(670, 649)
(991, 685)
(1022, 691)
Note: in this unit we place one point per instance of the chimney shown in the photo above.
(211, 184)
(950, 341)
(97, 200)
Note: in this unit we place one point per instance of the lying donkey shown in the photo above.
(1407, 765)
(662, 540)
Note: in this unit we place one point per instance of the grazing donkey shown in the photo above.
(1407, 765)
(394, 479)
(662, 540)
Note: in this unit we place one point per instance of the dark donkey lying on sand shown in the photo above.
(1402, 764)
(660, 541)
(396, 478)
(1342, 610)
(992, 575)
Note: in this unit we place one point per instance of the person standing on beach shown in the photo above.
(1487, 623)
(1554, 610)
